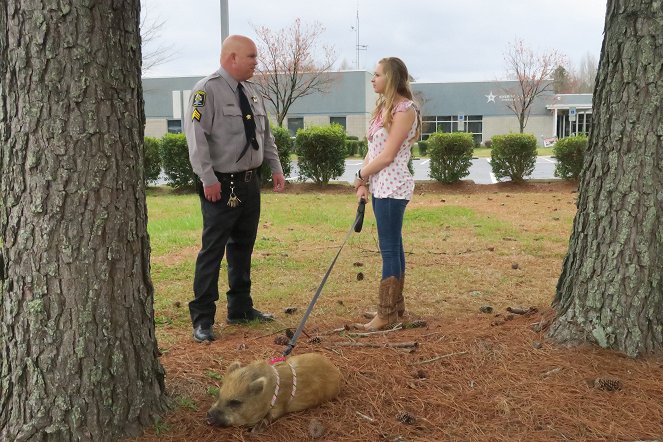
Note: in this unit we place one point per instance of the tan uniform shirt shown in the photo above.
(215, 131)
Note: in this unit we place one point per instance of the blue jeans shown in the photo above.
(389, 218)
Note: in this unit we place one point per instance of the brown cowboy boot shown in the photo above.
(386, 314)
(400, 301)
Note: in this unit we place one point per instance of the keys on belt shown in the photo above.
(245, 176)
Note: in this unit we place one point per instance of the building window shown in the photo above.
(338, 120)
(473, 125)
(294, 124)
(581, 126)
(174, 126)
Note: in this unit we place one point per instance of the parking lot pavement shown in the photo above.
(480, 171)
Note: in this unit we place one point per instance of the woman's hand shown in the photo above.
(362, 193)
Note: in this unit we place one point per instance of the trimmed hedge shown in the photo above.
(356, 147)
(321, 152)
(570, 154)
(284, 145)
(362, 148)
(423, 147)
(152, 159)
(513, 156)
(351, 147)
(175, 161)
(450, 156)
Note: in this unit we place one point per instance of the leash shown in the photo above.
(356, 226)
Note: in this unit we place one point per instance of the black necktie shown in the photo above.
(248, 120)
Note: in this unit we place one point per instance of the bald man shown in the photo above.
(229, 137)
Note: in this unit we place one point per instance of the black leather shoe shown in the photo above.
(251, 315)
(201, 334)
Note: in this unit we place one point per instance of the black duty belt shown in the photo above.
(237, 177)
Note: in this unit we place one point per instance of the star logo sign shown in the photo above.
(490, 97)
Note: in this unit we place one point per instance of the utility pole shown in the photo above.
(224, 19)
(359, 47)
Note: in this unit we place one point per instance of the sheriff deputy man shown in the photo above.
(229, 137)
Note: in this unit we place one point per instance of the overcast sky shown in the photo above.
(439, 40)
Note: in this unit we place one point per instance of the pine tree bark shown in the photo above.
(610, 291)
(78, 353)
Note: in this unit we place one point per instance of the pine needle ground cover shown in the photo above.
(470, 363)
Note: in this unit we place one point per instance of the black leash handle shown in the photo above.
(359, 219)
(356, 226)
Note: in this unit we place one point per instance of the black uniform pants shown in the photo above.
(231, 230)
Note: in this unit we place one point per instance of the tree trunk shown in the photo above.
(78, 354)
(610, 291)
(521, 122)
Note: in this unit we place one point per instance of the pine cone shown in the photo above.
(406, 418)
(315, 340)
(281, 340)
(421, 374)
(607, 384)
(316, 429)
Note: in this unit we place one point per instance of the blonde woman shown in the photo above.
(395, 126)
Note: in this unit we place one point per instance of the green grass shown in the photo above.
(484, 152)
(186, 403)
(174, 220)
(213, 391)
(161, 427)
(214, 375)
(299, 235)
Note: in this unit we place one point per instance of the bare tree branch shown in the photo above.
(586, 76)
(288, 69)
(533, 72)
(153, 53)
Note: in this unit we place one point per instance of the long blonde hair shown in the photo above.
(397, 84)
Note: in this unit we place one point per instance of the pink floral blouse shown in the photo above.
(395, 180)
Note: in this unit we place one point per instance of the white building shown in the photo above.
(478, 108)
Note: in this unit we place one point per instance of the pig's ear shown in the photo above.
(234, 366)
(258, 385)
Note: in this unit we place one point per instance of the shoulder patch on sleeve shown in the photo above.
(196, 115)
(199, 99)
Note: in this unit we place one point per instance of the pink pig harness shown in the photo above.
(273, 362)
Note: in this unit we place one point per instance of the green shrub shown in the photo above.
(351, 147)
(321, 152)
(284, 145)
(362, 148)
(570, 153)
(152, 159)
(513, 156)
(450, 156)
(410, 166)
(352, 137)
(488, 144)
(423, 147)
(175, 161)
